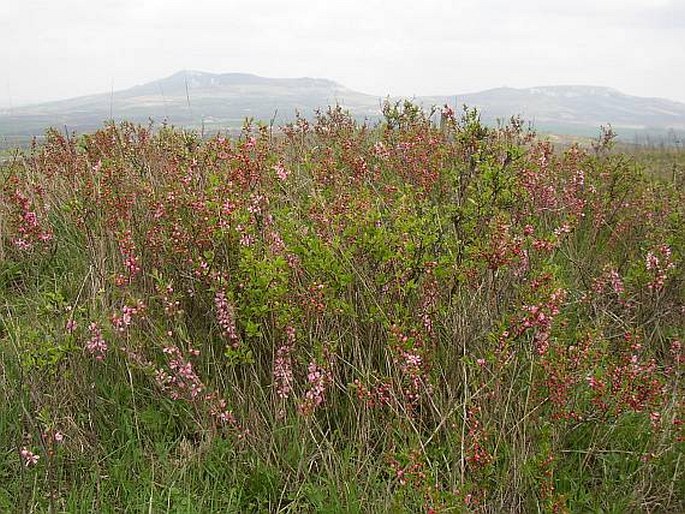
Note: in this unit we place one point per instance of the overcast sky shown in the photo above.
(54, 49)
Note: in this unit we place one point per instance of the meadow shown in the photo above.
(337, 317)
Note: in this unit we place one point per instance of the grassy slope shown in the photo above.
(469, 320)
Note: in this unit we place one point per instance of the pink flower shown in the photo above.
(281, 172)
(594, 383)
(31, 219)
(283, 372)
(246, 240)
(71, 326)
(96, 345)
(225, 316)
(22, 244)
(123, 321)
(180, 381)
(127, 248)
(318, 379)
(659, 262)
(30, 458)
(412, 359)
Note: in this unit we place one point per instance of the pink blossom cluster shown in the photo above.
(504, 248)
(121, 322)
(574, 194)
(545, 245)
(29, 229)
(127, 248)
(96, 345)
(429, 298)
(246, 239)
(318, 379)
(218, 409)
(381, 151)
(159, 211)
(226, 212)
(609, 280)
(413, 473)
(659, 262)
(629, 385)
(540, 317)
(29, 458)
(677, 352)
(257, 204)
(282, 370)
(281, 172)
(272, 236)
(180, 381)
(478, 456)
(71, 326)
(412, 366)
(315, 298)
(225, 316)
(635, 383)
(377, 395)
(172, 306)
(565, 228)
(539, 182)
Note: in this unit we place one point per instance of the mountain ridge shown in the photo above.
(194, 98)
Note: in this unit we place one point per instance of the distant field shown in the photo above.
(667, 162)
(333, 317)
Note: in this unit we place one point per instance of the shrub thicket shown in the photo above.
(338, 317)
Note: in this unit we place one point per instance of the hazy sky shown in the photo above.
(55, 49)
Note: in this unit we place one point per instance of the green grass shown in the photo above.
(471, 320)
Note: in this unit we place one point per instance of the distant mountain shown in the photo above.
(219, 101)
(576, 110)
(192, 99)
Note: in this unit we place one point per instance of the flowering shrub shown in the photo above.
(498, 320)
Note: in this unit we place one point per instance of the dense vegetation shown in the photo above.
(340, 318)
